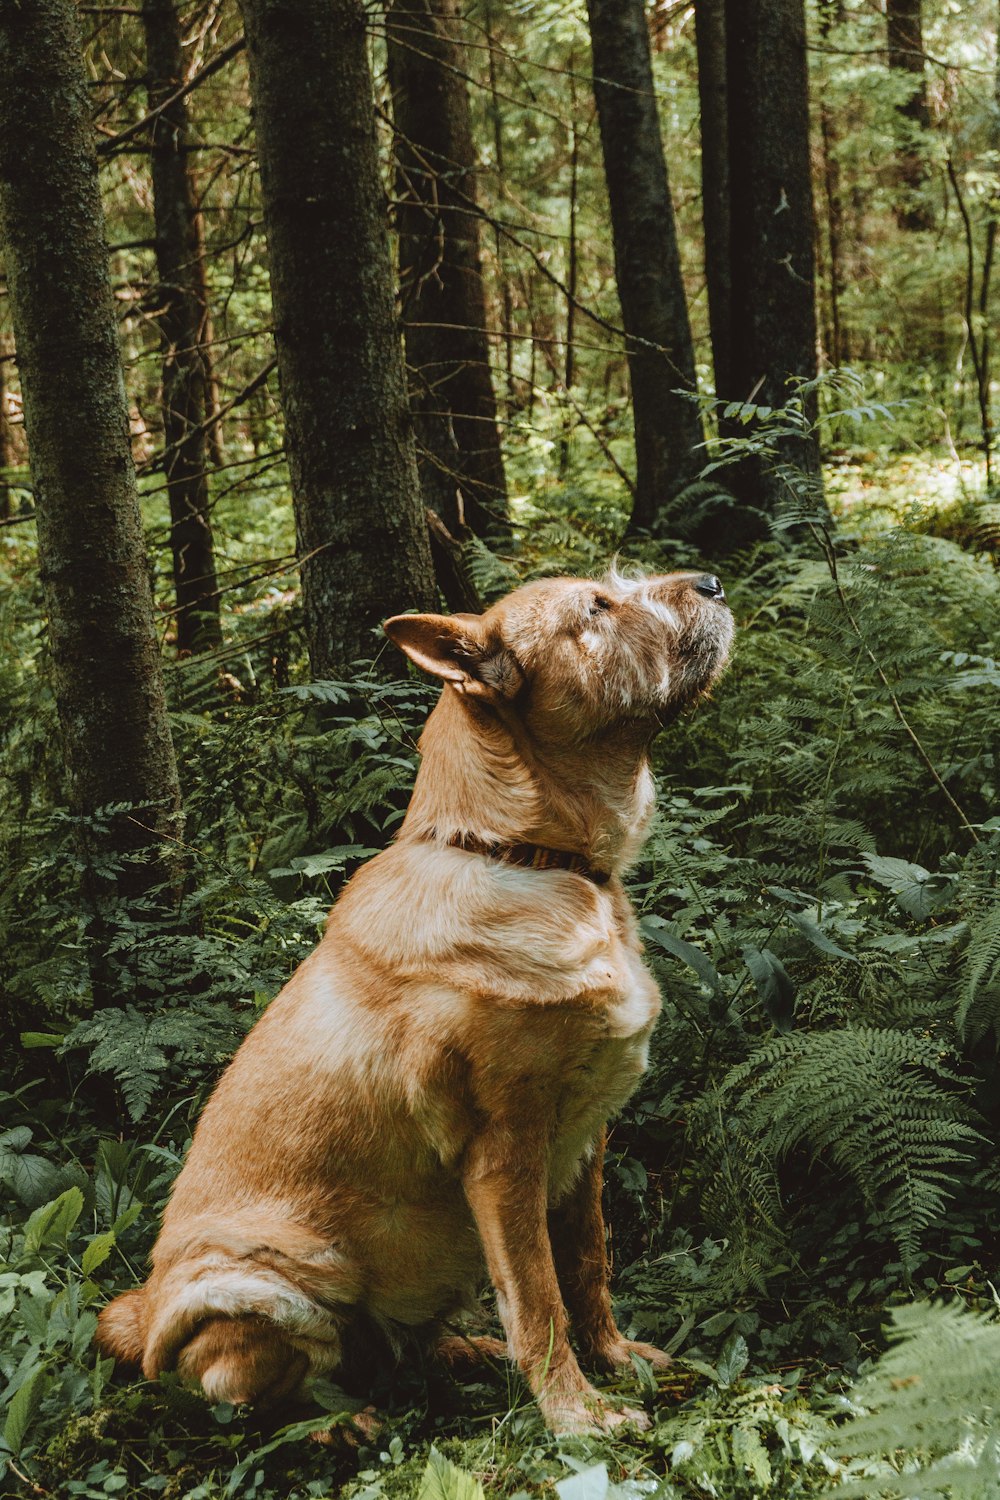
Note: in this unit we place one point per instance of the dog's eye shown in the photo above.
(600, 603)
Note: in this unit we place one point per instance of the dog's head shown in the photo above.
(575, 657)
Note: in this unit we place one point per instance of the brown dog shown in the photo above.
(431, 1087)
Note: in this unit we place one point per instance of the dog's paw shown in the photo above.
(349, 1433)
(463, 1353)
(618, 1355)
(592, 1414)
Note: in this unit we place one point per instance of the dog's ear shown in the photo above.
(457, 649)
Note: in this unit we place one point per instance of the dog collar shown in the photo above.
(532, 856)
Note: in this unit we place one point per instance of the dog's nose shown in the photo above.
(710, 586)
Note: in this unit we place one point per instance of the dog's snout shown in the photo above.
(710, 586)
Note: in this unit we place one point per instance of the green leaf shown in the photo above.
(917, 891)
(443, 1480)
(657, 932)
(776, 990)
(733, 1360)
(30, 1178)
(51, 1223)
(896, 874)
(97, 1251)
(127, 1219)
(817, 936)
(23, 1409)
(717, 1323)
(31, 1039)
(589, 1484)
(644, 1374)
(323, 864)
(294, 1432)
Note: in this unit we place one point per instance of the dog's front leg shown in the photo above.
(505, 1183)
(576, 1228)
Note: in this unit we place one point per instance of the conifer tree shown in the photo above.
(95, 580)
(362, 536)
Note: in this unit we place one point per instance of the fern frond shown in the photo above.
(930, 1401)
(882, 1105)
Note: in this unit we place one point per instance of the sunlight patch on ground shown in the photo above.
(890, 487)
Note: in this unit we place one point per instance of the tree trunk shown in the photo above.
(837, 344)
(499, 160)
(6, 454)
(710, 39)
(440, 270)
(213, 399)
(905, 42)
(181, 314)
(647, 263)
(362, 536)
(95, 579)
(771, 238)
(572, 275)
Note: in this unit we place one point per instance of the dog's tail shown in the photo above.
(121, 1327)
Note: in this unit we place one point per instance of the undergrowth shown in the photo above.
(810, 1153)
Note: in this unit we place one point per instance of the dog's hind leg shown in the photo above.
(243, 1359)
(121, 1327)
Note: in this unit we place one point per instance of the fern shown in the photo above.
(930, 1407)
(138, 1050)
(979, 999)
(882, 1105)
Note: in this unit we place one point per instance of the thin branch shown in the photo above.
(113, 144)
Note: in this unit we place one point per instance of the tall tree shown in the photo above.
(905, 45)
(771, 233)
(647, 262)
(95, 579)
(710, 40)
(440, 268)
(836, 342)
(362, 538)
(182, 313)
(6, 447)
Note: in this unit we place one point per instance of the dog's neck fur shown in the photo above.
(481, 773)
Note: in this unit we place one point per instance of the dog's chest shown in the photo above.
(603, 1072)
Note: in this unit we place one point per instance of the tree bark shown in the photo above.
(710, 40)
(213, 399)
(181, 313)
(668, 425)
(440, 269)
(499, 161)
(95, 579)
(362, 536)
(771, 237)
(6, 453)
(905, 44)
(572, 274)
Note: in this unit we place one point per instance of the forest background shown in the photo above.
(773, 360)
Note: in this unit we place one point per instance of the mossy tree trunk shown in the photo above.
(6, 447)
(362, 536)
(905, 47)
(710, 38)
(668, 425)
(94, 573)
(771, 239)
(181, 313)
(440, 269)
